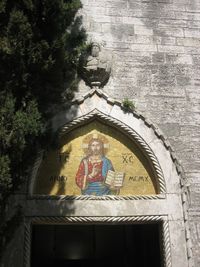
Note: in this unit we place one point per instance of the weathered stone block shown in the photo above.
(193, 33)
(158, 58)
(171, 129)
(170, 49)
(142, 30)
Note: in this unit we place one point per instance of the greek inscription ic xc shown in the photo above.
(127, 158)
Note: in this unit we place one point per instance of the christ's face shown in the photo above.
(95, 148)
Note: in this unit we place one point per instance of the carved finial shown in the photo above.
(95, 66)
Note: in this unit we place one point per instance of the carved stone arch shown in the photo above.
(131, 124)
(131, 133)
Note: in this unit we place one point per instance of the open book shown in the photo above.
(115, 179)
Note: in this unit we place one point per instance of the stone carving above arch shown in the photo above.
(95, 66)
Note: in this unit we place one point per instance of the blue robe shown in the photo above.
(99, 188)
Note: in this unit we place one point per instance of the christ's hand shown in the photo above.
(95, 170)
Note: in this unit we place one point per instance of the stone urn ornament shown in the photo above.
(95, 66)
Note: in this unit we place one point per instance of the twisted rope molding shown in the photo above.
(166, 244)
(96, 219)
(126, 130)
(27, 244)
(166, 249)
(63, 197)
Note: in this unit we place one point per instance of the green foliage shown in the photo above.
(19, 127)
(128, 104)
(5, 181)
(39, 46)
(40, 42)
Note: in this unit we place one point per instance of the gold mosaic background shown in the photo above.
(56, 175)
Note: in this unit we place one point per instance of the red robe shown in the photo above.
(82, 172)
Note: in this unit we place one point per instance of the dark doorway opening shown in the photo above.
(96, 245)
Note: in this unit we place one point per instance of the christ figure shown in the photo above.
(93, 169)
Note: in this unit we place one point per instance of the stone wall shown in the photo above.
(156, 63)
